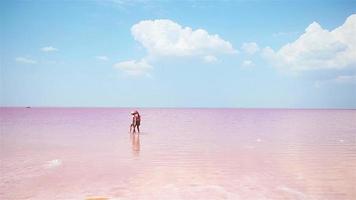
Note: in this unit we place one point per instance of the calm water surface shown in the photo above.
(181, 154)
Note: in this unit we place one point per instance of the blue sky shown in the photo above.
(245, 54)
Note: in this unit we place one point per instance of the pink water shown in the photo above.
(49, 153)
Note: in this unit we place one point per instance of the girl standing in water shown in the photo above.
(136, 121)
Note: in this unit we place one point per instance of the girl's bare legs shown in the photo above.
(134, 128)
(131, 128)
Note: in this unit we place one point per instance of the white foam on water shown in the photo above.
(53, 163)
(298, 194)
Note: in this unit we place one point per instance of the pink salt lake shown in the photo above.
(72, 153)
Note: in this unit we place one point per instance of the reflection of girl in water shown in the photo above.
(136, 143)
(136, 121)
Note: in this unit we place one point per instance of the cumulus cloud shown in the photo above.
(133, 67)
(25, 60)
(49, 49)
(164, 37)
(102, 58)
(250, 48)
(318, 48)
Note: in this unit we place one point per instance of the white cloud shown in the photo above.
(102, 58)
(164, 37)
(49, 49)
(25, 60)
(210, 59)
(247, 63)
(133, 67)
(250, 48)
(318, 48)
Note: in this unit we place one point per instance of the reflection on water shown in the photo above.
(135, 141)
(237, 154)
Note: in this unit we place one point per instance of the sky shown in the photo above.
(239, 54)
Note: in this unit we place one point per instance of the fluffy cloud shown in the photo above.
(250, 48)
(25, 60)
(318, 48)
(133, 67)
(49, 49)
(164, 37)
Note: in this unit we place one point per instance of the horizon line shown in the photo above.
(180, 107)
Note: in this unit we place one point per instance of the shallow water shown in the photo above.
(49, 153)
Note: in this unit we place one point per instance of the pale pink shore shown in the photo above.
(180, 154)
